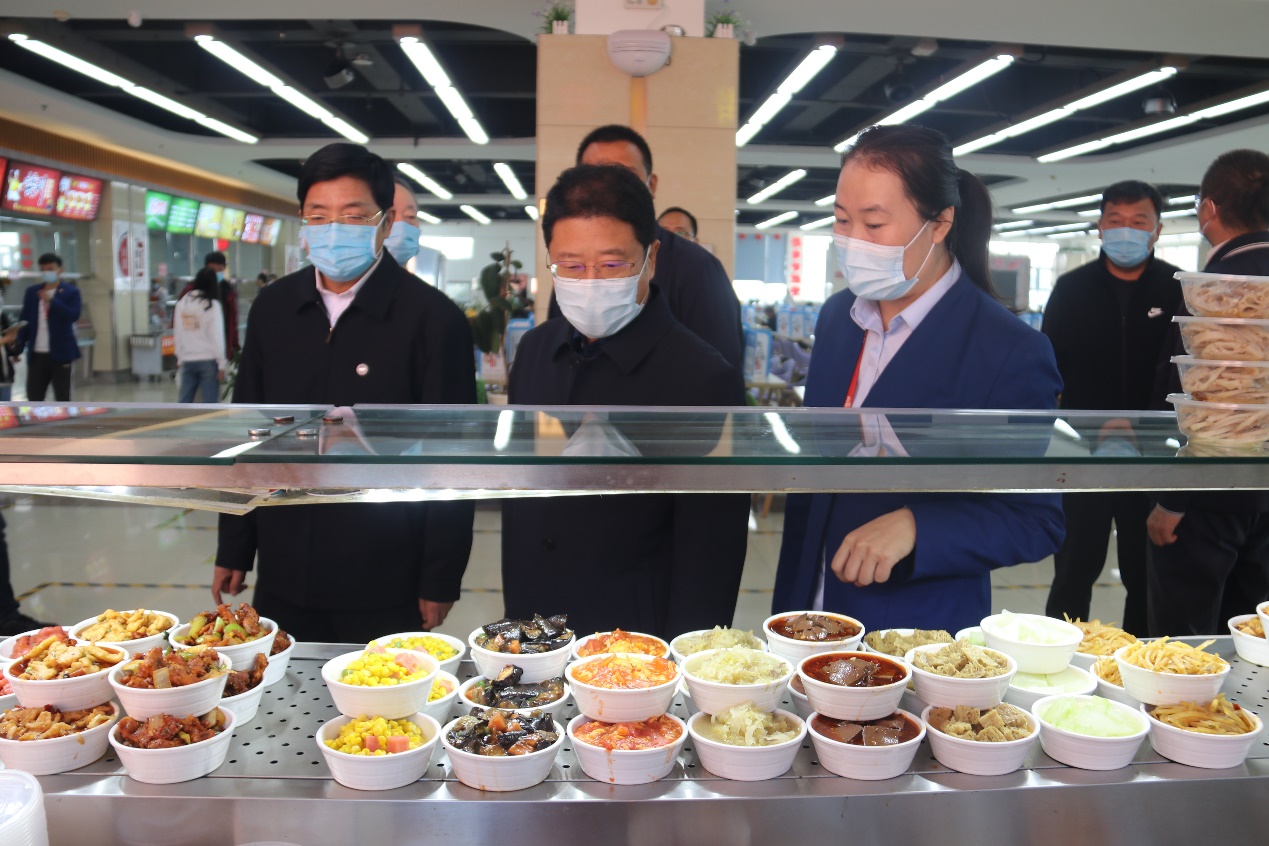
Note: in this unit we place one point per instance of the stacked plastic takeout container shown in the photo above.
(1225, 375)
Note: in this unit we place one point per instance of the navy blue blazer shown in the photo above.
(969, 352)
(63, 311)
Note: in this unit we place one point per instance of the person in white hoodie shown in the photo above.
(200, 339)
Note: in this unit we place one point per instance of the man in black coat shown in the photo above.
(693, 282)
(656, 563)
(355, 328)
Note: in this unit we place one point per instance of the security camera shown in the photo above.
(639, 52)
(134, 19)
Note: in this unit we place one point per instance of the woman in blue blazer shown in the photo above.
(919, 328)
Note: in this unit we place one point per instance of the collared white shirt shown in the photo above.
(41, 326)
(337, 304)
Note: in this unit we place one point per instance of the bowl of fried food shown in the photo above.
(179, 681)
(1213, 735)
(981, 741)
(898, 642)
(501, 751)
(279, 657)
(44, 741)
(243, 691)
(238, 634)
(18, 645)
(1248, 633)
(62, 676)
(1100, 641)
(1167, 672)
(164, 749)
(960, 674)
(136, 631)
(374, 753)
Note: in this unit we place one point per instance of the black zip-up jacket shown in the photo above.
(1108, 355)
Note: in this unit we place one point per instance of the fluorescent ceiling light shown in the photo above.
(826, 201)
(474, 131)
(65, 59)
(842, 147)
(430, 68)
(1069, 234)
(238, 61)
(1125, 87)
(746, 133)
(1179, 213)
(1060, 204)
(806, 70)
(532, 212)
(454, 102)
(474, 214)
(768, 109)
(303, 102)
(157, 99)
(1090, 213)
(774, 221)
(777, 186)
(509, 179)
(817, 224)
(1013, 224)
(346, 129)
(227, 130)
(1044, 230)
(1122, 137)
(1178, 237)
(1187, 200)
(423, 179)
(430, 218)
(1233, 105)
(418, 53)
(1077, 150)
(906, 113)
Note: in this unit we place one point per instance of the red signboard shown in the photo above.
(79, 198)
(30, 189)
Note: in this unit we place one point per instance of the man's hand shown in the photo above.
(229, 581)
(1161, 526)
(869, 553)
(220, 375)
(433, 613)
(46, 294)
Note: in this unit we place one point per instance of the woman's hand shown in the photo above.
(869, 553)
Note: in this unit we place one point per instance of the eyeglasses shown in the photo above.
(685, 233)
(349, 219)
(603, 269)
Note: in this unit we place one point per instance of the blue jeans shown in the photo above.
(199, 376)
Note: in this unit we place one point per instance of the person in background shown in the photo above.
(1209, 550)
(403, 241)
(680, 221)
(8, 336)
(200, 340)
(692, 281)
(919, 328)
(1108, 322)
(12, 620)
(50, 309)
(227, 296)
(667, 563)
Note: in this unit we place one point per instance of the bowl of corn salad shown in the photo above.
(378, 753)
(391, 683)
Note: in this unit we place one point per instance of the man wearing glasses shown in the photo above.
(354, 328)
(680, 221)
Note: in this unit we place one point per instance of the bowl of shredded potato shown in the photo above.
(136, 631)
(1166, 671)
(1100, 641)
(1214, 734)
(1235, 424)
(43, 741)
(1248, 632)
(1110, 685)
(1225, 295)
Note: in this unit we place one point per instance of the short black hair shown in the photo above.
(1238, 183)
(1133, 191)
(615, 132)
(214, 257)
(680, 210)
(336, 160)
(590, 191)
(50, 258)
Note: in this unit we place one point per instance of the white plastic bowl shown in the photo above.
(1225, 338)
(1224, 294)
(977, 757)
(276, 671)
(1209, 751)
(974, 634)
(1114, 692)
(440, 709)
(181, 763)
(502, 773)
(626, 766)
(854, 703)
(1223, 381)
(242, 656)
(134, 647)
(59, 754)
(580, 642)
(1085, 661)
(244, 705)
(197, 698)
(866, 763)
(688, 705)
(1025, 697)
(1038, 658)
(614, 705)
(392, 703)
(537, 666)
(801, 702)
(1249, 648)
(679, 657)
(64, 694)
(864, 647)
(553, 708)
(948, 692)
(6, 645)
(1085, 751)
(379, 772)
(449, 665)
(1262, 611)
(746, 763)
(1155, 688)
(712, 697)
(796, 650)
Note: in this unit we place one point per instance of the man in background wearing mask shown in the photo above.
(657, 563)
(49, 309)
(1108, 322)
(227, 297)
(354, 328)
(403, 239)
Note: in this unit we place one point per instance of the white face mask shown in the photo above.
(49, 276)
(599, 308)
(875, 271)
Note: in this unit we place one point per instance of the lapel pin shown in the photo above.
(363, 369)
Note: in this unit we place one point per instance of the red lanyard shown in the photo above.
(854, 380)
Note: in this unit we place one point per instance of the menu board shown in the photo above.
(157, 205)
(208, 225)
(269, 231)
(251, 226)
(182, 216)
(78, 197)
(30, 189)
(231, 221)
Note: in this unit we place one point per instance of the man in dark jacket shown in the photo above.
(1209, 551)
(1108, 322)
(355, 328)
(50, 309)
(694, 283)
(657, 563)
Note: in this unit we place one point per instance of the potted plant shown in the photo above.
(490, 323)
(725, 23)
(556, 18)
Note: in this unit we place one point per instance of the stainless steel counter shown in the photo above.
(275, 786)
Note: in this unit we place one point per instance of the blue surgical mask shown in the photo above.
(220, 276)
(49, 276)
(875, 271)
(402, 241)
(341, 251)
(1125, 246)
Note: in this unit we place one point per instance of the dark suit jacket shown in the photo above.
(63, 311)
(657, 563)
(417, 348)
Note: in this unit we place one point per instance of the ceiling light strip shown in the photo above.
(429, 218)
(422, 57)
(428, 183)
(777, 186)
(475, 214)
(817, 224)
(1059, 204)
(508, 177)
(776, 221)
(806, 70)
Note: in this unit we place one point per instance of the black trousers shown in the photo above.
(8, 604)
(41, 370)
(1079, 562)
(338, 625)
(1217, 568)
